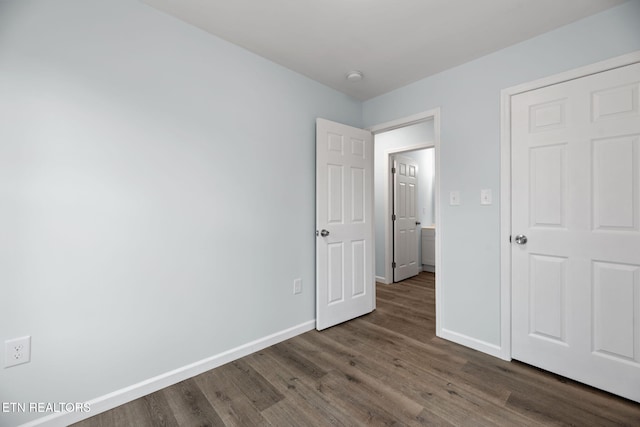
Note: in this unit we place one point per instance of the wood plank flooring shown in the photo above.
(385, 368)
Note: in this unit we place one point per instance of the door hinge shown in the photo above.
(393, 217)
(509, 239)
(393, 264)
(393, 170)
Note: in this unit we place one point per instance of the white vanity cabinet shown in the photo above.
(429, 248)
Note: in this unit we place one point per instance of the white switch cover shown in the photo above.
(297, 286)
(454, 198)
(485, 197)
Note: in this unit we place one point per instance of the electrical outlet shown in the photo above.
(485, 197)
(297, 286)
(454, 198)
(17, 351)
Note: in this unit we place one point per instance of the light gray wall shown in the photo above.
(427, 181)
(157, 186)
(425, 159)
(156, 195)
(396, 139)
(469, 97)
(425, 202)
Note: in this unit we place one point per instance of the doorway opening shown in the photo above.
(415, 140)
(382, 184)
(412, 205)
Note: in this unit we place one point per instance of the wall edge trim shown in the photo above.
(382, 279)
(135, 391)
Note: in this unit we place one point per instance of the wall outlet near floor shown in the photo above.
(17, 351)
(297, 286)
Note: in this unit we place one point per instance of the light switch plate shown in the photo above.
(297, 286)
(454, 198)
(486, 197)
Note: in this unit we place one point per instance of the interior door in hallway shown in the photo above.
(576, 229)
(345, 280)
(405, 218)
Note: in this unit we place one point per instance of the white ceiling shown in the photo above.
(393, 42)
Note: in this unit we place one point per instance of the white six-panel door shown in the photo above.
(576, 199)
(405, 211)
(345, 286)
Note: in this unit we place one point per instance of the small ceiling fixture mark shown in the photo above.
(355, 76)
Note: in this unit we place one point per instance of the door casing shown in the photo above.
(505, 178)
(388, 204)
(434, 115)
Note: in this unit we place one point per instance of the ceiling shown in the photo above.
(392, 42)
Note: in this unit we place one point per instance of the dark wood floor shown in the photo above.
(386, 368)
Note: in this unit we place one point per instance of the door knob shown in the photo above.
(324, 233)
(521, 239)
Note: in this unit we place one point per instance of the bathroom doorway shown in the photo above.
(416, 140)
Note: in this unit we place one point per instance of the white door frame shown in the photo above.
(505, 178)
(395, 124)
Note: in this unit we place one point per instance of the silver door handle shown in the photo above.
(521, 239)
(324, 233)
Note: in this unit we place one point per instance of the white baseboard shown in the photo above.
(429, 268)
(474, 343)
(381, 279)
(135, 391)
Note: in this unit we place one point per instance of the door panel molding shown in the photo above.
(345, 285)
(405, 231)
(505, 177)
